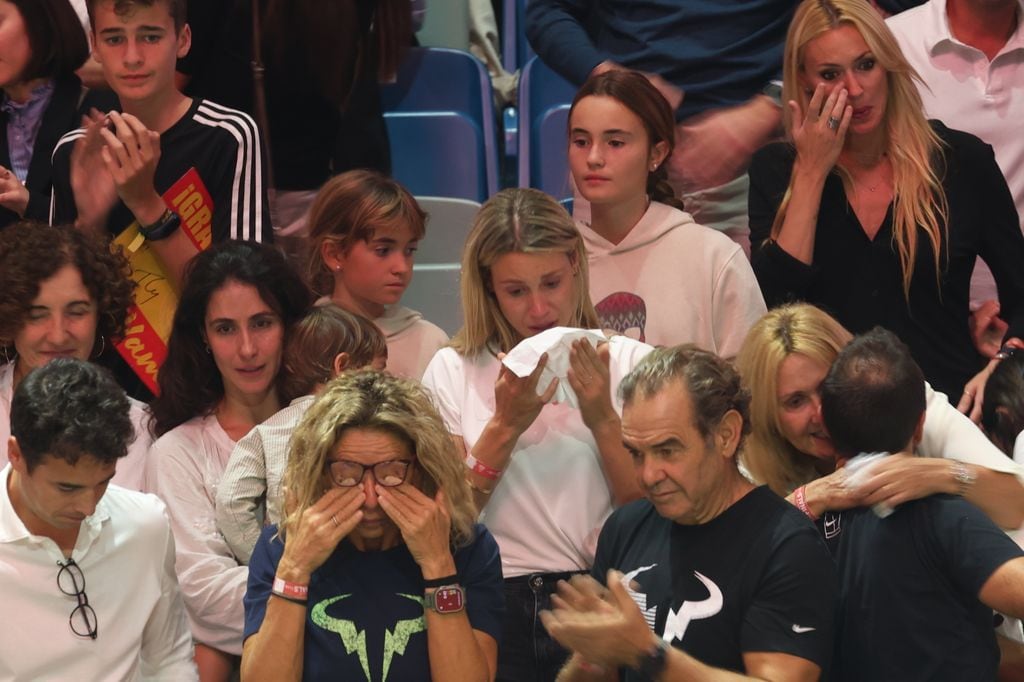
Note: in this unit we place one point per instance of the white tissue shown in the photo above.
(858, 471)
(556, 342)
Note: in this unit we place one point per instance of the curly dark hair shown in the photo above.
(68, 409)
(31, 253)
(190, 384)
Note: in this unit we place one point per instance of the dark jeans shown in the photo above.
(528, 653)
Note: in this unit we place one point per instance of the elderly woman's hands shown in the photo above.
(319, 531)
(819, 132)
(425, 526)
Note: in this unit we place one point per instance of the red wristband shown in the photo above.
(800, 498)
(290, 590)
(476, 466)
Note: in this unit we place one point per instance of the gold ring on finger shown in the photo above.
(335, 519)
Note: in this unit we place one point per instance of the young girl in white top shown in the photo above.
(364, 229)
(219, 380)
(545, 475)
(656, 275)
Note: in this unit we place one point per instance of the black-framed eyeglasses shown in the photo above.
(71, 582)
(347, 474)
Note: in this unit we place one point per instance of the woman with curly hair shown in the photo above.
(378, 547)
(873, 212)
(62, 294)
(220, 379)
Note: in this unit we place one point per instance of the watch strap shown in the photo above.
(653, 663)
(452, 579)
(163, 228)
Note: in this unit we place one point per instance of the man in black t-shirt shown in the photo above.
(916, 587)
(708, 573)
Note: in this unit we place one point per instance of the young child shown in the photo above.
(364, 229)
(188, 171)
(325, 343)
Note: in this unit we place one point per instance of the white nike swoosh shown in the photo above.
(799, 629)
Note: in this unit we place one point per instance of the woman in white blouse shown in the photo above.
(219, 380)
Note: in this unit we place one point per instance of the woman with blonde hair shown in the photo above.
(545, 475)
(378, 547)
(874, 212)
(783, 360)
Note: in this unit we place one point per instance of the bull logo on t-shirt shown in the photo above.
(689, 611)
(354, 639)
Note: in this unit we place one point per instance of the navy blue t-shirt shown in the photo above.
(364, 618)
(908, 591)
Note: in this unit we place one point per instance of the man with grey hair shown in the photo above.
(708, 573)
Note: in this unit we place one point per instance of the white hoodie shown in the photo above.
(672, 281)
(411, 340)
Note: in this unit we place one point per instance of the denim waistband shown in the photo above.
(537, 581)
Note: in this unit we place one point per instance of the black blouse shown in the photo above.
(859, 280)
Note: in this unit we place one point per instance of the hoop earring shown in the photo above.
(103, 346)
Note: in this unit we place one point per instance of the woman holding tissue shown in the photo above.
(545, 474)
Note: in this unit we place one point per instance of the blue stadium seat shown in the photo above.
(515, 48)
(440, 118)
(544, 100)
(434, 291)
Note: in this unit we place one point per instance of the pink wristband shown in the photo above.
(800, 497)
(290, 590)
(478, 467)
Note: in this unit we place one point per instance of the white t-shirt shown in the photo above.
(185, 468)
(548, 508)
(126, 554)
(130, 468)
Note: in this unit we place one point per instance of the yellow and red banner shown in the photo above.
(144, 346)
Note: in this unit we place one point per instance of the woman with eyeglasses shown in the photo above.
(378, 570)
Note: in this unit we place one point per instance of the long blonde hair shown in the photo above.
(515, 221)
(376, 400)
(915, 150)
(796, 328)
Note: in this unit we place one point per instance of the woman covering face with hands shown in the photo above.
(378, 549)
(545, 475)
(874, 212)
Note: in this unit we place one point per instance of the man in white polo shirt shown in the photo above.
(87, 576)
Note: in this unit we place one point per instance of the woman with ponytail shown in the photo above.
(656, 275)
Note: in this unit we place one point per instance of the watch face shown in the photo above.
(449, 600)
